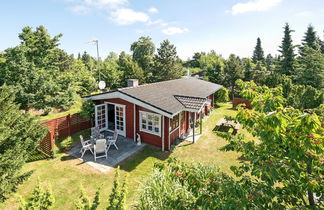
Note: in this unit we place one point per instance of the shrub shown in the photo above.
(222, 95)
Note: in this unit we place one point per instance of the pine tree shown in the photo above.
(19, 135)
(233, 71)
(287, 58)
(258, 54)
(42, 198)
(310, 40)
(269, 61)
(83, 202)
(117, 197)
(167, 63)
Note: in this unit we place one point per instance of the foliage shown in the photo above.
(310, 40)
(44, 75)
(87, 109)
(222, 95)
(129, 68)
(167, 63)
(83, 202)
(143, 54)
(178, 185)
(248, 66)
(287, 58)
(117, 198)
(110, 72)
(233, 71)
(213, 64)
(19, 135)
(258, 54)
(42, 198)
(311, 68)
(288, 157)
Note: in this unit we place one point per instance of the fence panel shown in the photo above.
(61, 127)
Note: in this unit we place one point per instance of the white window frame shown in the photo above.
(147, 130)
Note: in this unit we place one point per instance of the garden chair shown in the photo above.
(86, 145)
(95, 133)
(112, 140)
(100, 148)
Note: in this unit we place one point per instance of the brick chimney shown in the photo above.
(132, 82)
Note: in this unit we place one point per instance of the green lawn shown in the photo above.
(65, 174)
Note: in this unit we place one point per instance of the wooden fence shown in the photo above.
(237, 101)
(62, 127)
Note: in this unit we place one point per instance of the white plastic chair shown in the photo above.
(86, 145)
(112, 140)
(99, 148)
(95, 132)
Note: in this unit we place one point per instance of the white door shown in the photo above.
(120, 119)
(101, 118)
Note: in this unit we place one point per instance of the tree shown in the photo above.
(270, 63)
(42, 198)
(222, 95)
(143, 54)
(19, 135)
(311, 68)
(167, 63)
(83, 202)
(287, 58)
(249, 67)
(129, 68)
(117, 198)
(288, 151)
(258, 54)
(233, 71)
(213, 65)
(310, 40)
(111, 72)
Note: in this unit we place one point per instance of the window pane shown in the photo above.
(150, 117)
(144, 126)
(150, 122)
(156, 129)
(156, 123)
(150, 128)
(156, 118)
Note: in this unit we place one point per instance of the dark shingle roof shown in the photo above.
(191, 102)
(162, 94)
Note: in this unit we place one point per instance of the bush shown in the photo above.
(222, 95)
(87, 109)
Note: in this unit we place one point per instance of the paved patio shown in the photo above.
(126, 148)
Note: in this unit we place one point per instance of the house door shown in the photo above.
(101, 119)
(120, 119)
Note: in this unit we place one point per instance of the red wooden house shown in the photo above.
(159, 112)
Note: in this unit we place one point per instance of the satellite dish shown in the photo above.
(102, 85)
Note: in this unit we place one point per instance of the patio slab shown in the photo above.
(126, 148)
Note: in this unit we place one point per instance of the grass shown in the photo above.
(74, 109)
(66, 174)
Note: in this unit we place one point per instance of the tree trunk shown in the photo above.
(310, 193)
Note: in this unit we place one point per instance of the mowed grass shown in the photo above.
(65, 174)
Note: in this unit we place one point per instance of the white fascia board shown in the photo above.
(125, 97)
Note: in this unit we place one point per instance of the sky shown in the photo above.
(226, 26)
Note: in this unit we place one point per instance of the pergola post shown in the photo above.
(193, 129)
(201, 122)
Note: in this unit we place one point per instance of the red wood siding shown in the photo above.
(183, 124)
(166, 133)
(129, 114)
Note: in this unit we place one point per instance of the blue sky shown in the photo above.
(226, 26)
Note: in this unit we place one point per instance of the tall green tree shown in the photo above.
(167, 63)
(249, 67)
(233, 71)
(129, 68)
(270, 63)
(213, 65)
(311, 68)
(310, 40)
(19, 135)
(143, 53)
(258, 54)
(111, 72)
(287, 58)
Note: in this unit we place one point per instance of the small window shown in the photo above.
(150, 122)
(174, 122)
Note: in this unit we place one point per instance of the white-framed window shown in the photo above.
(150, 123)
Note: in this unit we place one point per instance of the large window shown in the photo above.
(150, 123)
(174, 122)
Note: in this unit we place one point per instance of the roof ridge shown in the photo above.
(153, 83)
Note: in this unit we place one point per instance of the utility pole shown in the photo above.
(97, 45)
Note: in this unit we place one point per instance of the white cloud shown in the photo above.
(174, 30)
(80, 9)
(127, 16)
(106, 3)
(153, 10)
(253, 5)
